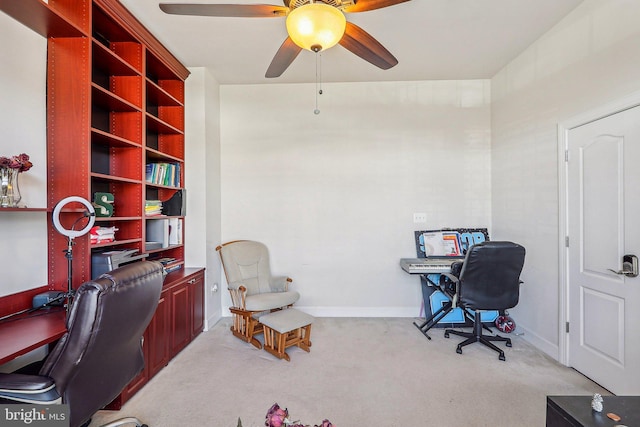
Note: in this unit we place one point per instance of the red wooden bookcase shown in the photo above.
(115, 103)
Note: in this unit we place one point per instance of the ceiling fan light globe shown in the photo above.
(316, 24)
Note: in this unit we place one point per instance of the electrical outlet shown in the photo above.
(419, 217)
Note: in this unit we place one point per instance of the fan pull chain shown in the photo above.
(318, 81)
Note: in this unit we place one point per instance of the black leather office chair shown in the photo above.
(102, 349)
(489, 280)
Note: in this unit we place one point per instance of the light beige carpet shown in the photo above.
(360, 372)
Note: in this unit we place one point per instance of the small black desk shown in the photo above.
(575, 411)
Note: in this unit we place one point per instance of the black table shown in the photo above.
(575, 411)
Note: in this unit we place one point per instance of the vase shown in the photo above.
(9, 190)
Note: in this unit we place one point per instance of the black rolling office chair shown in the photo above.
(102, 349)
(489, 280)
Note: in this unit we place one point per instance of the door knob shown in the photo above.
(629, 266)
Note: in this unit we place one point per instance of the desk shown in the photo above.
(23, 334)
(438, 308)
(575, 411)
(426, 267)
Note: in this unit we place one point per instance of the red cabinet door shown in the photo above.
(158, 331)
(196, 292)
(181, 318)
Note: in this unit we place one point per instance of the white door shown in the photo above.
(603, 213)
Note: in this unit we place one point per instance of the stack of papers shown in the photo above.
(102, 234)
(441, 243)
(152, 207)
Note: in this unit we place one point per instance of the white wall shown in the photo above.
(333, 195)
(23, 246)
(590, 58)
(202, 159)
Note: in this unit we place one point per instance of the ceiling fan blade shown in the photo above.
(283, 58)
(365, 5)
(227, 10)
(361, 43)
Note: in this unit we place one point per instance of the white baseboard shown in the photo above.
(212, 320)
(360, 311)
(551, 349)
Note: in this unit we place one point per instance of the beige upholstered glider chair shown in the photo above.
(254, 291)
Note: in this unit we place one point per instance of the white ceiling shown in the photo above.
(432, 40)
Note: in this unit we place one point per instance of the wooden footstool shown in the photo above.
(284, 329)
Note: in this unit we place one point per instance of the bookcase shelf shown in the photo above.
(107, 61)
(158, 156)
(113, 178)
(115, 102)
(158, 125)
(115, 243)
(117, 218)
(165, 187)
(63, 20)
(109, 101)
(154, 251)
(23, 209)
(101, 137)
(159, 96)
(127, 96)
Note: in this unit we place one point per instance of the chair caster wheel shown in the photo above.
(459, 350)
(446, 334)
(501, 357)
(508, 343)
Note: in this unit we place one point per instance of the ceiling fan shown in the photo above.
(314, 25)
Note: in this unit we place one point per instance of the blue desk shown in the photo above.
(438, 307)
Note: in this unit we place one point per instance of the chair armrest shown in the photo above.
(451, 277)
(453, 293)
(280, 283)
(29, 389)
(238, 294)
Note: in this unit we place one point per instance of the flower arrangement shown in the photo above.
(278, 417)
(20, 162)
(10, 168)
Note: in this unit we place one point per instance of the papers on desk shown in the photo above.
(441, 243)
(448, 242)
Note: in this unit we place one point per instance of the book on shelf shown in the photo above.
(169, 264)
(169, 268)
(175, 231)
(167, 174)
